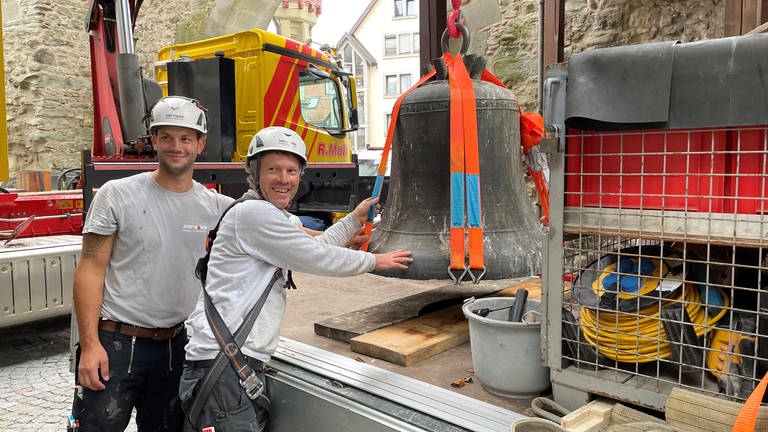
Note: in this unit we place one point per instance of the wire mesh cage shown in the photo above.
(663, 262)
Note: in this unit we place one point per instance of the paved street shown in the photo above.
(35, 382)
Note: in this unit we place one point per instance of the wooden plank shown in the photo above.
(413, 340)
(34, 180)
(432, 16)
(554, 31)
(749, 15)
(754, 14)
(733, 10)
(762, 28)
(745, 17)
(344, 327)
(533, 286)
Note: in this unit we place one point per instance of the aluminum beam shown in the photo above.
(379, 388)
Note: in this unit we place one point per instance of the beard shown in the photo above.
(175, 170)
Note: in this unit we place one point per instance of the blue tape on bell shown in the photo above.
(473, 200)
(457, 200)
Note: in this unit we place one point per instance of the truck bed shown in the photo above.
(36, 277)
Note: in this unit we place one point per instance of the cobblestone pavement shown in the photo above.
(36, 387)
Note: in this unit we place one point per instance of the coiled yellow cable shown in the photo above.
(640, 337)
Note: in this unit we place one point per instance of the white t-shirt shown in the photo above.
(150, 279)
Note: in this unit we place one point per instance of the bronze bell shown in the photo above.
(416, 215)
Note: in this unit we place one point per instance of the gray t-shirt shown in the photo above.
(254, 238)
(150, 279)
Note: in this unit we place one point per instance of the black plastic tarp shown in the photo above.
(713, 83)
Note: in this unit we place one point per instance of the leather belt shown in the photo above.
(142, 332)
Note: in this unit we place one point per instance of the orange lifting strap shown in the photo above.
(466, 215)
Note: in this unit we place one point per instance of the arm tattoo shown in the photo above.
(92, 245)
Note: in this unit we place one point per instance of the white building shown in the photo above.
(382, 51)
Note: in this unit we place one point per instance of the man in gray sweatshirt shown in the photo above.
(255, 238)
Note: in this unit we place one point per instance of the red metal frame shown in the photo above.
(55, 212)
(107, 130)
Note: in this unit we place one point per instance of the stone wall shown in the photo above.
(47, 77)
(47, 68)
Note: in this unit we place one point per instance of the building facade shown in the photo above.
(294, 18)
(382, 51)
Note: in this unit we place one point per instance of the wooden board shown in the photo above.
(533, 286)
(413, 340)
(346, 326)
(34, 180)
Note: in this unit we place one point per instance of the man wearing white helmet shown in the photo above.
(134, 284)
(256, 237)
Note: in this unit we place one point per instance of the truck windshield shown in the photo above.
(320, 101)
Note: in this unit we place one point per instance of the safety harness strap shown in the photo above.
(220, 329)
(230, 345)
(385, 156)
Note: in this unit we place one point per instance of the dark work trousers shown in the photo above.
(143, 374)
(227, 408)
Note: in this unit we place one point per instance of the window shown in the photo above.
(390, 85)
(405, 8)
(404, 44)
(296, 32)
(354, 63)
(387, 120)
(390, 45)
(320, 100)
(359, 72)
(360, 143)
(361, 107)
(410, 7)
(405, 82)
(399, 44)
(348, 58)
(396, 84)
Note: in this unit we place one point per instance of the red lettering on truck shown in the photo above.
(324, 149)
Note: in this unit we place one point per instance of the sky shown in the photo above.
(336, 17)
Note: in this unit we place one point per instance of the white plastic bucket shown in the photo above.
(506, 355)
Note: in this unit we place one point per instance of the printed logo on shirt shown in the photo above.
(195, 228)
(209, 429)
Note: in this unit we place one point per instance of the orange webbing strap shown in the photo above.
(385, 156)
(747, 417)
(472, 171)
(531, 133)
(543, 192)
(458, 223)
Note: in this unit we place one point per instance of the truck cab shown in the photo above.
(264, 79)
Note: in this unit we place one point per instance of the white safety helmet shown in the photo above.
(276, 138)
(178, 111)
